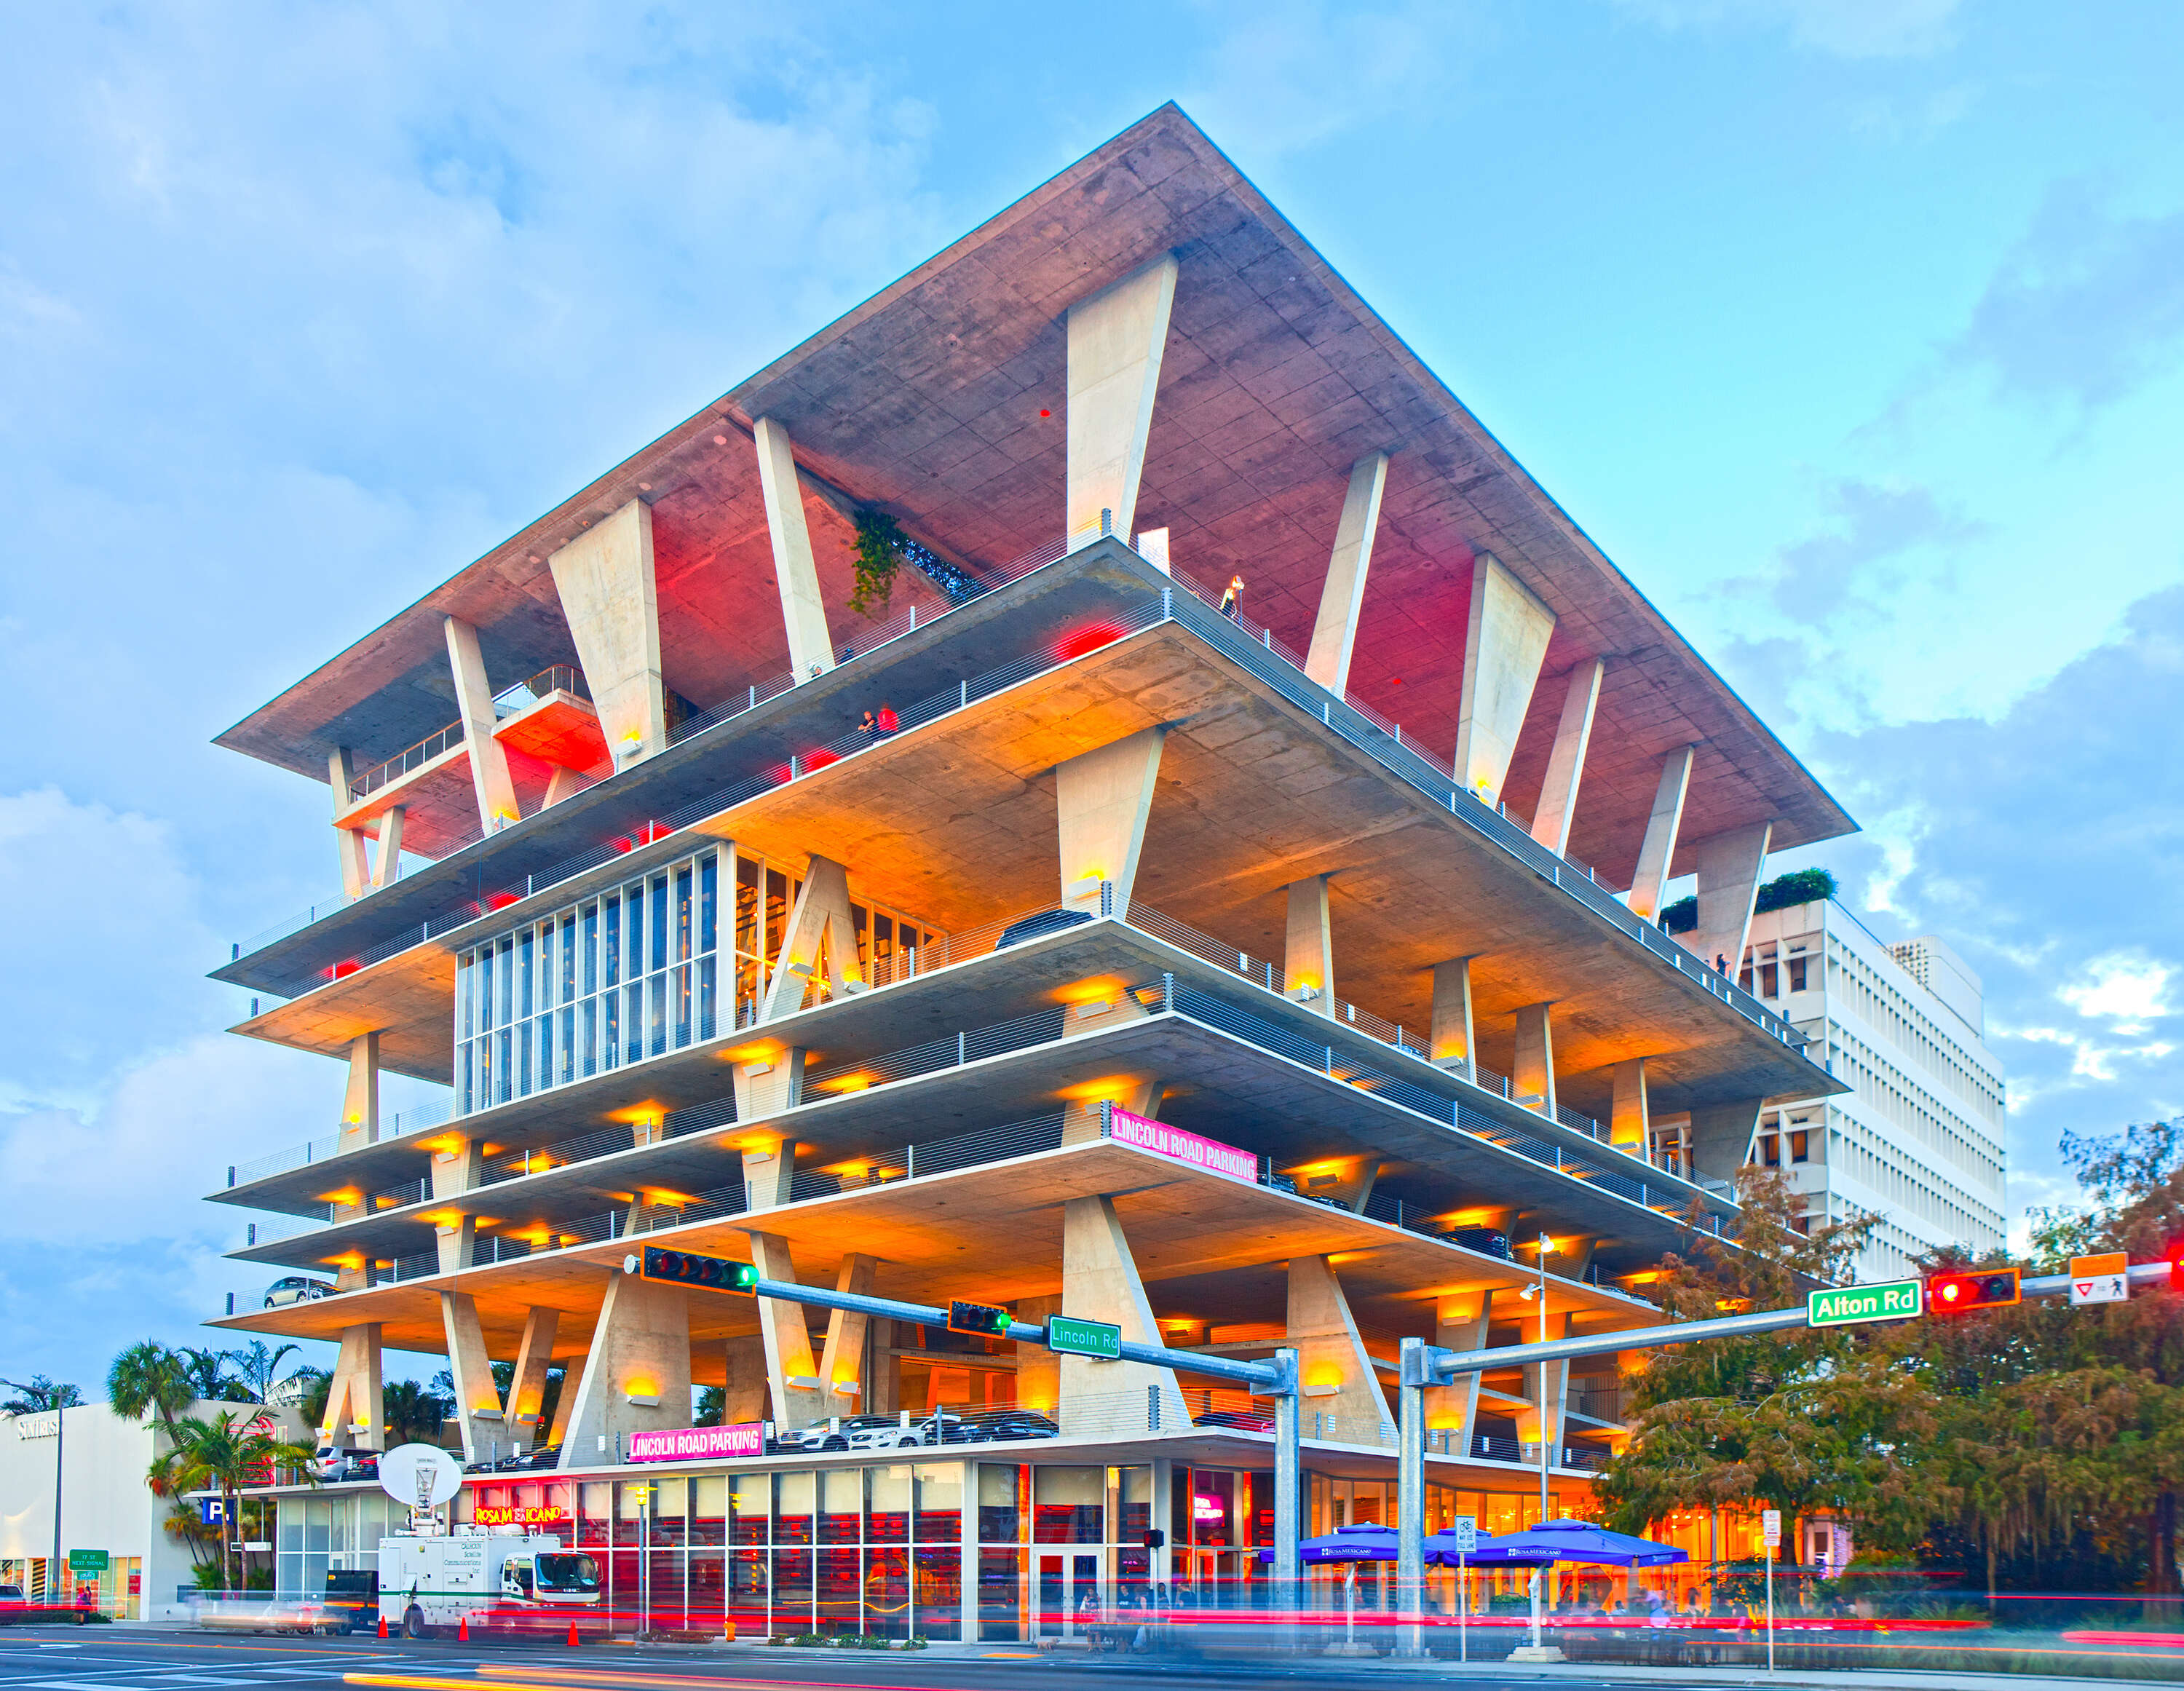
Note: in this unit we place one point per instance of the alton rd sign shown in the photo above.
(1894, 1300)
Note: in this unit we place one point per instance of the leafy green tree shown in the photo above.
(413, 1414)
(223, 1455)
(146, 1379)
(211, 1375)
(256, 1366)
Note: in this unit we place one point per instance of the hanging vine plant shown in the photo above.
(883, 549)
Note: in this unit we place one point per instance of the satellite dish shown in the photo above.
(418, 1475)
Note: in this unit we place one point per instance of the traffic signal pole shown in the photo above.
(1277, 1379)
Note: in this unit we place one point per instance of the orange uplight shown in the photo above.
(1100, 989)
(847, 1083)
(349, 1194)
(647, 1113)
(1107, 1089)
(1324, 1373)
(1645, 1276)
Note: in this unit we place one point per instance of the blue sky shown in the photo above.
(1853, 332)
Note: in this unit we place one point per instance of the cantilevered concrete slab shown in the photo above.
(934, 1241)
(926, 402)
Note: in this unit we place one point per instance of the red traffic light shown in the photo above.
(1985, 1289)
(2176, 1256)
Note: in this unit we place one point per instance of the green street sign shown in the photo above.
(1074, 1336)
(88, 1561)
(1895, 1300)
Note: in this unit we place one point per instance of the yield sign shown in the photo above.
(2103, 1279)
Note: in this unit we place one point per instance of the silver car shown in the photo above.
(295, 1288)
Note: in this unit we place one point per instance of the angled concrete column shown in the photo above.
(1101, 800)
(354, 1398)
(564, 1401)
(792, 1377)
(1451, 1043)
(1338, 1376)
(765, 1086)
(1503, 652)
(527, 1389)
(348, 843)
(1116, 338)
(1308, 957)
(1460, 1323)
(744, 1398)
(637, 1375)
(605, 578)
(1550, 822)
(1084, 1119)
(768, 1174)
(1342, 597)
(1627, 1126)
(1658, 851)
(842, 1360)
(1099, 1283)
(1729, 867)
(1532, 1077)
(490, 776)
(1721, 1138)
(386, 859)
(1038, 1370)
(360, 1121)
(457, 1167)
(477, 1396)
(804, 617)
(558, 786)
(820, 936)
(883, 1375)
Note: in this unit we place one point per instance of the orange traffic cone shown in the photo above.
(572, 1634)
(383, 1625)
(463, 1630)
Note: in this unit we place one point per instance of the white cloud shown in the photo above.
(2130, 991)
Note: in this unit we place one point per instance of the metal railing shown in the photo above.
(405, 762)
(553, 679)
(421, 1118)
(1247, 643)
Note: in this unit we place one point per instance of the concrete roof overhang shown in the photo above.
(956, 821)
(992, 1234)
(925, 402)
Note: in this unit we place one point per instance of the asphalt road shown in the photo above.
(119, 1659)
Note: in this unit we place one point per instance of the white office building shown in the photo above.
(1920, 1138)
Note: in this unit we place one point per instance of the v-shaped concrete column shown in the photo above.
(803, 615)
(842, 1360)
(490, 776)
(386, 859)
(1502, 652)
(792, 1377)
(526, 1389)
(354, 1397)
(1453, 1044)
(1534, 1076)
(348, 843)
(821, 930)
(605, 577)
(1102, 799)
(1550, 822)
(477, 1396)
(1729, 867)
(359, 1123)
(1343, 598)
(636, 1374)
(1629, 1127)
(1333, 1367)
(1099, 1283)
(1657, 852)
(1116, 338)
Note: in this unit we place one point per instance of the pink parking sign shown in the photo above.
(1164, 1141)
(689, 1443)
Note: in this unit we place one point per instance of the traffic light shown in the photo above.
(1984, 1288)
(990, 1319)
(687, 1268)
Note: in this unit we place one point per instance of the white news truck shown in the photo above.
(504, 1580)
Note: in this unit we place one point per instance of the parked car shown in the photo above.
(296, 1288)
(335, 1465)
(17, 1609)
(1243, 1421)
(354, 1592)
(839, 1434)
(1038, 926)
(943, 1428)
(998, 1427)
(1486, 1240)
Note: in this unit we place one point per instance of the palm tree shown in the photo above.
(224, 1454)
(148, 1377)
(39, 1395)
(412, 1414)
(254, 1366)
(208, 1374)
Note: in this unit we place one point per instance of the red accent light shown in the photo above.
(343, 970)
(1078, 642)
(623, 844)
(500, 901)
(819, 759)
(1046, 413)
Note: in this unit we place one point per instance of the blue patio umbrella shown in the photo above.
(1563, 1541)
(1367, 1542)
